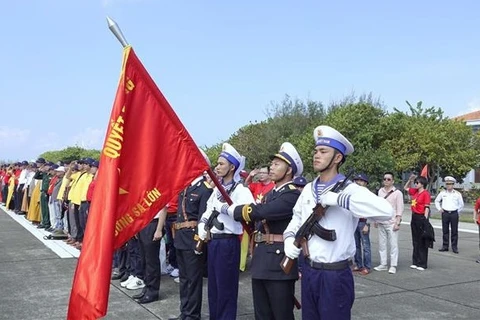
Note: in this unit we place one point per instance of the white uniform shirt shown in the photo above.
(356, 202)
(22, 179)
(241, 195)
(396, 200)
(449, 201)
(28, 182)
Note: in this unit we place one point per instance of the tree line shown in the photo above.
(397, 141)
(384, 141)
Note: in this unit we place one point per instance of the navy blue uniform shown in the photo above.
(273, 290)
(192, 202)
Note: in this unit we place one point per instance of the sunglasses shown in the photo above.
(387, 179)
(449, 184)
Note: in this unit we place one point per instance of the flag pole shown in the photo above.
(113, 26)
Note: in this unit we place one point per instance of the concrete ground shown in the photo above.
(35, 281)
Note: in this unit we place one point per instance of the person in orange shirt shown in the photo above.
(262, 186)
(476, 217)
(11, 188)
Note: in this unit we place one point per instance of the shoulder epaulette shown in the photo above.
(291, 187)
(207, 185)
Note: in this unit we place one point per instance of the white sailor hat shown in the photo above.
(327, 136)
(235, 158)
(289, 154)
(205, 157)
(450, 179)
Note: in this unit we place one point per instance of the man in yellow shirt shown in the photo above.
(74, 173)
(78, 191)
(81, 197)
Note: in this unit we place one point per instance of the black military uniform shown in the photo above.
(273, 290)
(192, 203)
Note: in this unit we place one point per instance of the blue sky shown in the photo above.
(221, 63)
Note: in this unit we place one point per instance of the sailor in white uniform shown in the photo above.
(223, 252)
(327, 280)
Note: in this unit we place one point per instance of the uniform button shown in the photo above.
(256, 245)
(277, 252)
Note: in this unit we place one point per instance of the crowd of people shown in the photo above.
(52, 196)
(270, 218)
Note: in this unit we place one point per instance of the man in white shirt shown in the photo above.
(449, 203)
(388, 230)
(327, 280)
(22, 180)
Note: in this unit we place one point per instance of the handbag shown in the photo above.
(428, 233)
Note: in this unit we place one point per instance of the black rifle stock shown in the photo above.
(311, 226)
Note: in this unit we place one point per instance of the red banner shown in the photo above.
(148, 157)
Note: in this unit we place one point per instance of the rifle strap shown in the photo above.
(266, 228)
(389, 193)
(184, 212)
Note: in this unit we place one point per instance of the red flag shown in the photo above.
(424, 172)
(148, 157)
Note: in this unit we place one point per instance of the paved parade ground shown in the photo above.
(35, 281)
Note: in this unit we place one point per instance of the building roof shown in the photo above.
(475, 115)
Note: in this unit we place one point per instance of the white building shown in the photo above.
(473, 177)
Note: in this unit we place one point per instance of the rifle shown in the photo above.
(211, 222)
(311, 226)
(246, 226)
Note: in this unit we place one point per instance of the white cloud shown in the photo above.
(89, 138)
(47, 141)
(474, 105)
(13, 136)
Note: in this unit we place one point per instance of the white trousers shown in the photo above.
(387, 237)
(51, 209)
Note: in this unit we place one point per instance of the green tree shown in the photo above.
(425, 136)
(287, 121)
(361, 122)
(213, 152)
(70, 153)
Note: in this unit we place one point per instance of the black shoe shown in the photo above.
(147, 299)
(443, 249)
(478, 260)
(40, 226)
(118, 276)
(455, 251)
(139, 295)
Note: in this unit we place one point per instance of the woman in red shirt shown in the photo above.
(420, 213)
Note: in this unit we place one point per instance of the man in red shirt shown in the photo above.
(476, 217)
(263, 185)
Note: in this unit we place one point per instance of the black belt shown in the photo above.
(222, 235)
(340, 265)
(454, 211)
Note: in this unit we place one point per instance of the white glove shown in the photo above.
(291, 250)
(202, 234)
(329, 198)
